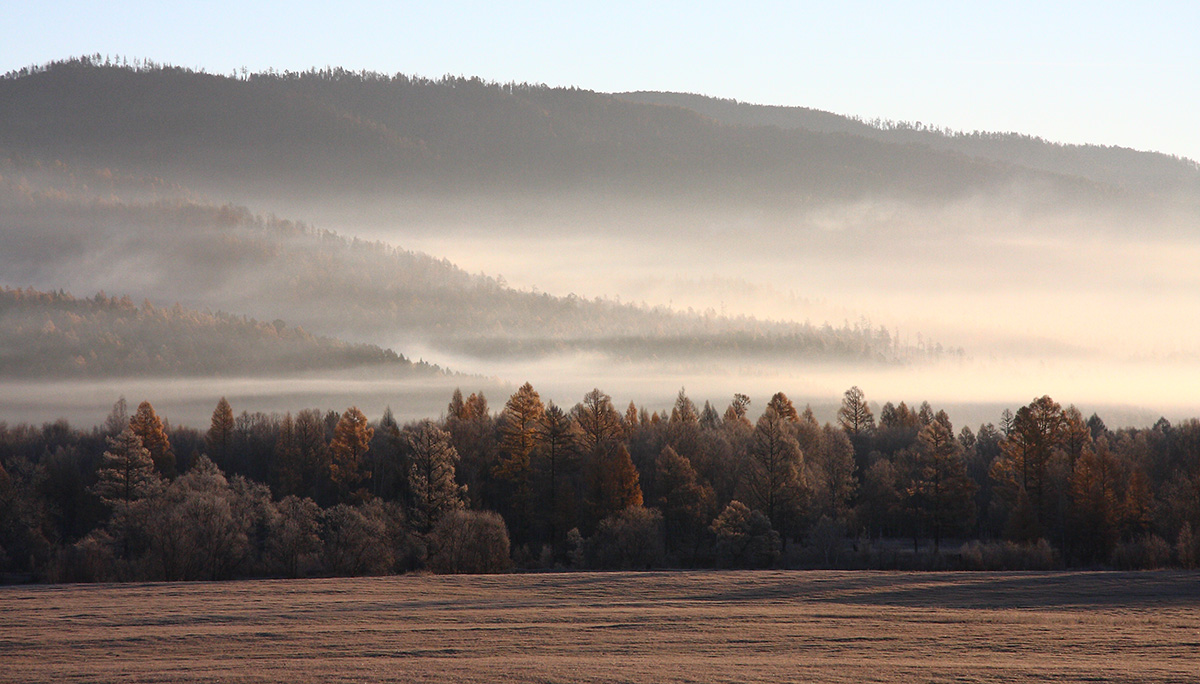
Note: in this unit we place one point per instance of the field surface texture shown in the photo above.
(613, 627)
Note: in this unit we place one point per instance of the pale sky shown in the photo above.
(1113, 73)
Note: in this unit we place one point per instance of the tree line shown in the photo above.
(535, 485)
(53, 334)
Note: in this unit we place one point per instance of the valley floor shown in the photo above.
(767, 626)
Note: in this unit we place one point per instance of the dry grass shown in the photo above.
(613, 627)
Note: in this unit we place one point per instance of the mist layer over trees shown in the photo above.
(535, 485)
(60, 230)
(54, 335)
(1013, 249)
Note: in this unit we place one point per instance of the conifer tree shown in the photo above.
(1095, 505)
(807, 416)
(1006, 422)
(287, 470)
(348, 450)
(389, 470)
(118, 418)
(686, 504)
(831, 463)
(783, 406)
(613, 482)
(738, 408)
(631, 417)
(855, 415)
(709, 418)
(940, 489)
(518, 427)
(455, 410)
(432, 460)
(312, 457)
(775, 478)
(1037, 431)
(684, 410)
(1077, 437)
(126, 472)
(925, 414)
(556, 449)
(218, 441)
(475, 407)
(149, 428)
(596, 420)
(888, 418)
(126, 476)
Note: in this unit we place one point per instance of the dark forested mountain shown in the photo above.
(334, 130)
(1117, 166)
(53, 334)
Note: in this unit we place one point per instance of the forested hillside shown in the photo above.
(64, 226)
(1115, 166)
(333, 130)
(55, 335)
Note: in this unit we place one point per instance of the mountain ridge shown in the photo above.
(1110, 164)
(321, 128)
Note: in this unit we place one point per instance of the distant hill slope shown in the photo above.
(335, 131)
(62, 226)
(53, 334)
(1118, 166)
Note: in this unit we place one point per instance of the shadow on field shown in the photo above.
(967, 590)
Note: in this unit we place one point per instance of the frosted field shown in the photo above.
(605, 627)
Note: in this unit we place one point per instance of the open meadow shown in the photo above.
(613, 627)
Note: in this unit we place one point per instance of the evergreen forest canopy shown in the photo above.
(534, 485)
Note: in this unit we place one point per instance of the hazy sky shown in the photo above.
(1116, 73)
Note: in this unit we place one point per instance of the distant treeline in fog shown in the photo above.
(55, 335)
(533, 485)
(63, 227)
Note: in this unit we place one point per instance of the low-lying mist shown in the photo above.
(190, 401)
(972, 392)
(1092, 307)
(962, 276)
